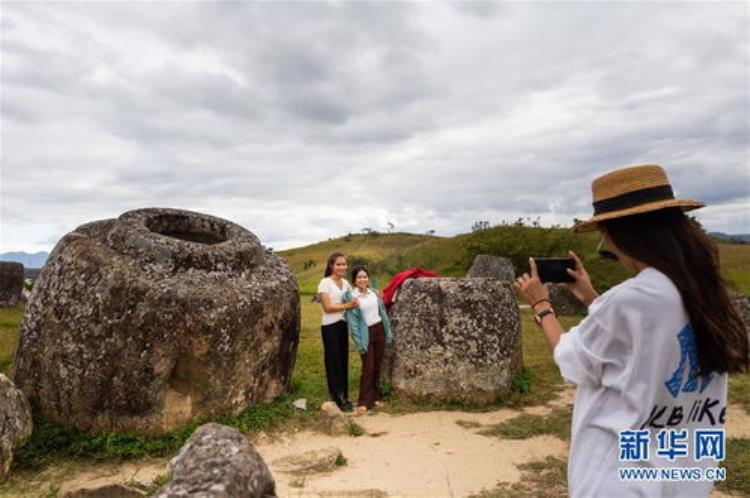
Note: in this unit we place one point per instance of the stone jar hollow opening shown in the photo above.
(188, 228)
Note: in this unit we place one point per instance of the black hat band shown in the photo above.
(633, 199)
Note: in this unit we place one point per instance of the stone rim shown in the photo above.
(185, 240)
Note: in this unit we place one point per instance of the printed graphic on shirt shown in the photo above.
(706, 411)
(689, 357)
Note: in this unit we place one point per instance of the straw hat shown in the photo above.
(632, 190)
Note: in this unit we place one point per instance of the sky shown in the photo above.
(303, 121)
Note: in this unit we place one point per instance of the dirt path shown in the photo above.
(421, 454)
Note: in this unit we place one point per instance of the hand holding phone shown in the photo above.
(582, 288)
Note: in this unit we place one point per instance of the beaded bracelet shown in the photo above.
(540, 301)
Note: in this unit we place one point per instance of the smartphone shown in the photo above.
(553, 270)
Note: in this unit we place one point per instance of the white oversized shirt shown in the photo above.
(633, 362)
(368, 305)
(328, 286)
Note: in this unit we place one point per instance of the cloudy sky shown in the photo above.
(303, 121)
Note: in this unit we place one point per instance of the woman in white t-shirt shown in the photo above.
(333, 329)
(650, 361)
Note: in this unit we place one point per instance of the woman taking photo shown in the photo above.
(370, 330)
(333, 329)
(650, 361)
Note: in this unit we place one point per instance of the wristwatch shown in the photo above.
(539, 316)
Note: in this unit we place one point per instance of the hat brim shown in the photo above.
(592, 223)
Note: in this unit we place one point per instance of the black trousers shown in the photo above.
(336, 356)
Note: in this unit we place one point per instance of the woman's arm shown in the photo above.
(535, 292)
(329, 307)
(553, 330)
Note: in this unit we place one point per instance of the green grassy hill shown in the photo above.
(386, 254)
(372, 249)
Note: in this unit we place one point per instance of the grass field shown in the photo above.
(10, 320)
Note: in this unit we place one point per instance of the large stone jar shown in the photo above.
(11, 283)
(15, 423)
(145, 322)
(456, 339)
(489, 266)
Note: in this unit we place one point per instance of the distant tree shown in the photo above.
(480, 225)
(310, 263)
(391, 227)
(430, 232)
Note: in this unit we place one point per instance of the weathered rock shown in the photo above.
(742, 303)
(309, 462)
(300, 404)
(145, 322)
(219, 462)
(492, 267)
(15, 423)
(332, 420)
(108, 491)
(11, 283)
(564, 302)
(456, 340)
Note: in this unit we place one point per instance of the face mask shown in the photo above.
(605, 253)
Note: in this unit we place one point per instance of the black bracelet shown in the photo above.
(540, 301)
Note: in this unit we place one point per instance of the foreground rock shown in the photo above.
(309, 462)
(332, 420)
(492, 267)
(11, 283)
(219, 462)
(564, 302)
(145, 322)
(15, 423)
(108, 491)
(456, 340)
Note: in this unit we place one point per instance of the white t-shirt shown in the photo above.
(368, 305)
(633, 360)
(328, 286)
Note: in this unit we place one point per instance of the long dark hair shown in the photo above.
(331, 260)
(674, 244)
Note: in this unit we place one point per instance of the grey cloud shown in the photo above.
(285, 116)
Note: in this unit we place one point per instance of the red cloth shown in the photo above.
(399, 278)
